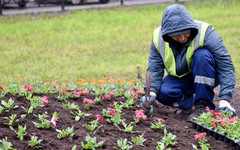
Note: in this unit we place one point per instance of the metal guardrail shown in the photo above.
(61, 5)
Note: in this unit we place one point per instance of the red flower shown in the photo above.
(159, 120)
(214, 123)
(111, 93)
(99, 118)
(140, 114)
(1, 88)
(112, 112)
(62, 91)
(108, 97)
(201, 135)
(85, 92)
(29, 88)
(134, 97)
(44, 100)
(89, 101)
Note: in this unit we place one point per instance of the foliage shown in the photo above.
(168, 139)
(34, 142)
(6, 145)
(21, 131)
(123, 144)
(7, 106)
(63, 133)
(91, 143)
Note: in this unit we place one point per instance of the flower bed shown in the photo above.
(100, 115)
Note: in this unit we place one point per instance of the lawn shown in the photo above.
(91, 44)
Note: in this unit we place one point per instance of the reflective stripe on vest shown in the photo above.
(167, 53)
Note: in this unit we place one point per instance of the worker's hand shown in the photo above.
(145, 102)
(225, 105)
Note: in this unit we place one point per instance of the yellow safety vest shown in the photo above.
(167, 53)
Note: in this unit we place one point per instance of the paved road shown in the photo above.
(33, 8)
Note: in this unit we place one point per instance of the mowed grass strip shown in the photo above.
(91, 44)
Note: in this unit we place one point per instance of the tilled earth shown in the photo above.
(175, 124)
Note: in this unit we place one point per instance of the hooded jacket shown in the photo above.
(177, 18)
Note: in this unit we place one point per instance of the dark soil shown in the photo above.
(176, 124)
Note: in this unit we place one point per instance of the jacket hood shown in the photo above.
(176, 18)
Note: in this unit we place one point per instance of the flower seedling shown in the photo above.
(21, 131)
(10, 119)
(128, 128)
(139, 115)
(201, 141)
(116, 119)
(97, 100)
(89, 103)
(158, 124)
(54, 119)
(44, 122)
(62, 95)
(36, 101)
(63, 133)
(71, 106)
(6, 145)
(91, 143)
(2, 93)
(123, 144)
(139, 140)
(168, 139)
(7, 106)
(78, 115)
(34, 142)
(95, 123)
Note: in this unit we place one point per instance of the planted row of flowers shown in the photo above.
(102, 91)
(221, 125)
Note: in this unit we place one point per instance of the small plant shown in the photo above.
(97, 100)
(71, 106)
(168, 139)
(128, 128)
(28, 110)
(7, 106)
(78, 115)
(10, 119)
(34, 142)
(21, 131)
(44, 122)
(201, 142)
(36, 102)
(123, 144)
(89, 103)
(158, 124)
(139, 115)
(91, 143)
(95, 123)
(6, 145)
(139, 140)
(63, 133)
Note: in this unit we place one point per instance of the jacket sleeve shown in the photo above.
(156, 67)
(225, 73)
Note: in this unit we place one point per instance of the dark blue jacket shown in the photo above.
(176, 18)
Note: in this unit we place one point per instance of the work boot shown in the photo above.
(200, 107)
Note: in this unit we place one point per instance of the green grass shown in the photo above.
(91, 44)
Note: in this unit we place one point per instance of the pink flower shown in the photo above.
(134, 97)
(1, 88)
(214, 123)
(139, 92)
(54, 121)
(89, 101)
(101, 96)
(44, 100)
(62, 91)
(201, 135)
(140, 114)
(111, 93)
(107, 97)
(112, 112)
(34, 133)
(79, 88)
(135, 89)
(159, 120)
(85, 92)
(29, 88)
(99, 118)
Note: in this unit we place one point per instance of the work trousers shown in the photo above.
(198, 85)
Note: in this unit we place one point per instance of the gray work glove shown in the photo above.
(225, 105)
(146, 103)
